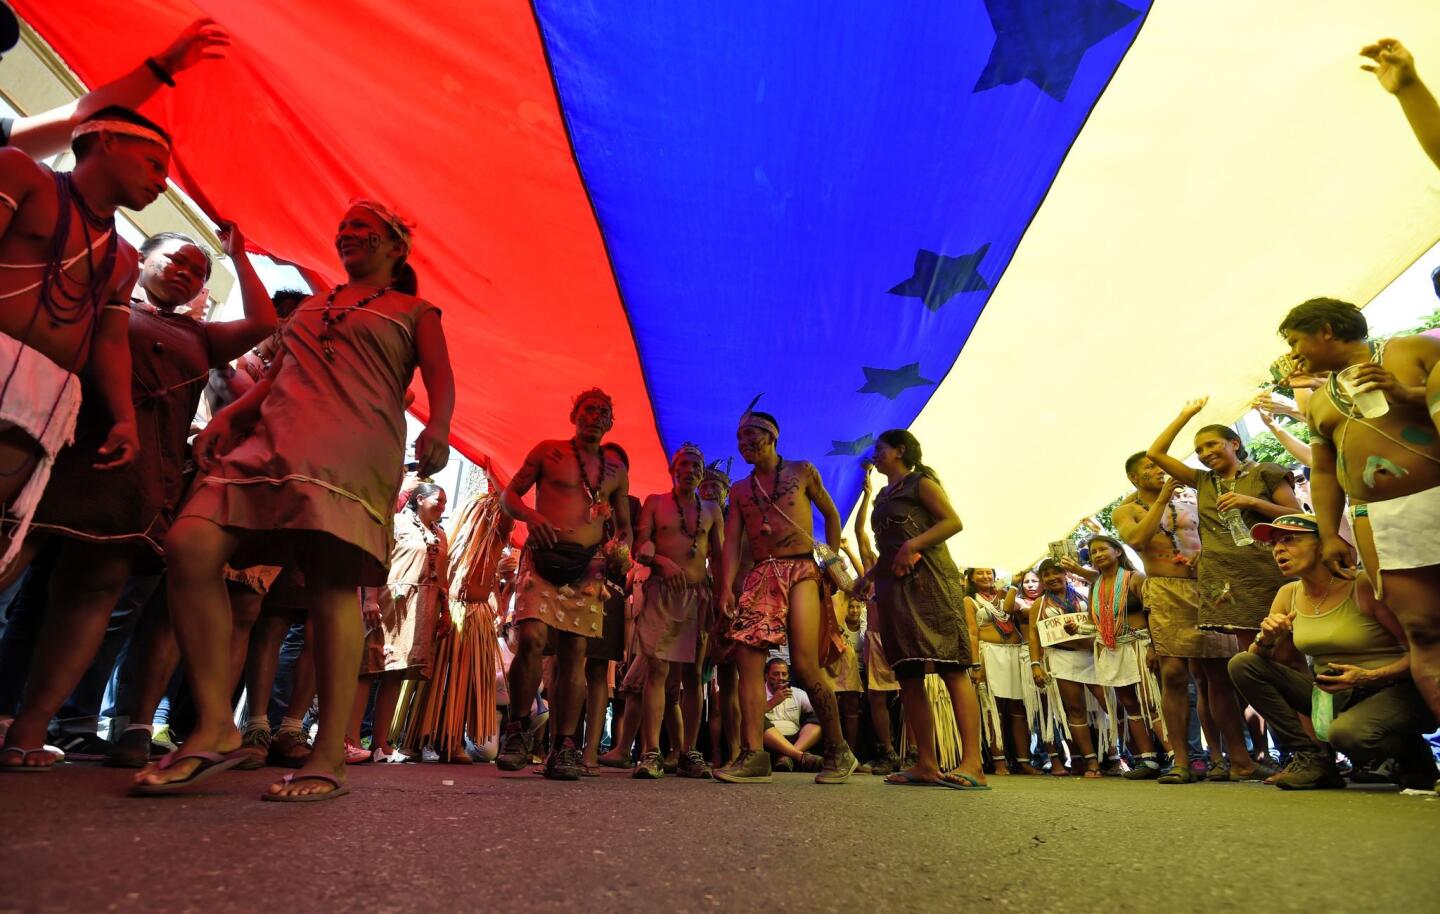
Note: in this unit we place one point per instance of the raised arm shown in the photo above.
(1394, 67)
(862, 526)
(432, 445)
(231, 339)
(1160, 449)
(1297, 448)
(47, 133)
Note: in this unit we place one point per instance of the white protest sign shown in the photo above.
(1057, 629)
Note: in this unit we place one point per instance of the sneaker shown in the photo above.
(564, 762)
(837, 767)
(1142, 772)
(288, 749)
(85, 747)
(514, 746)
(811, 763)
(132, 750)
(650, 767)
(750, 768)
(786, 765)
(692, 765)
(356, 754)
(165, 739)
(1310, 771)
(886, 764)
(256, 743)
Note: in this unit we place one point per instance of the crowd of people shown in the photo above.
(174, 494)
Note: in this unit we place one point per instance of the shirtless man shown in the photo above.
(784, 595)
(561, 581)
(678, 533)
(1165, 530)
(65, 282)
(1389, 466)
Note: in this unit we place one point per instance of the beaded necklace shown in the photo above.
(998, 617)
(61, 305)
(765, 529)
(591, 491)
(1171, 534)
(431, 537)
(331, 318)
(1107, 605)
(695, 534)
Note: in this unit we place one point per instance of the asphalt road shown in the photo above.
(404, 841)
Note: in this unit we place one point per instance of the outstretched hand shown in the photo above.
(231, 239)
(1192, 407)
(203, 39)
(1394, 65)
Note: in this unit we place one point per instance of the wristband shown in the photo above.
(160, 72)
(1037, 663)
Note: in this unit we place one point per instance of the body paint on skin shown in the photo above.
(1416, 435)
(373, 240)
(1377, 464)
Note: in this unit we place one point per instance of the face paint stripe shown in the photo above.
(1377, 464)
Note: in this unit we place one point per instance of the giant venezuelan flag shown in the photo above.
(1027, 229)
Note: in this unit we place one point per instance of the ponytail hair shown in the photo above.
(913, 456)
(418, 494)
(1229, 434)
(405, 280)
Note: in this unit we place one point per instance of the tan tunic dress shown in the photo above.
(318, 476)
(411, 601)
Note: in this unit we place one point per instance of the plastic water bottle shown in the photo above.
(1322, 712)
(1238, 531)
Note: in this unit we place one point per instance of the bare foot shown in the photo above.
(309, 786)
(1002, 769)
(1027, 768)
(1058, 770)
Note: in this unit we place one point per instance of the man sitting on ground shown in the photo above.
(791, 727)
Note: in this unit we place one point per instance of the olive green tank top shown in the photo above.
(1343, 634)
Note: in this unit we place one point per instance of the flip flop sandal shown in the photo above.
(211, 763)
(971, 782)
(23, 768)
(589, 771)
(611, 763)
(339, 791)
(910, 780)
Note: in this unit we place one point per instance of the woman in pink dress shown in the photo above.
(302, 472)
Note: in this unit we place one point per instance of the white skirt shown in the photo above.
(1072, 665)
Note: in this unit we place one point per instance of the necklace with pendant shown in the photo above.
(765, 529)
(591, 491)
(693, 534)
